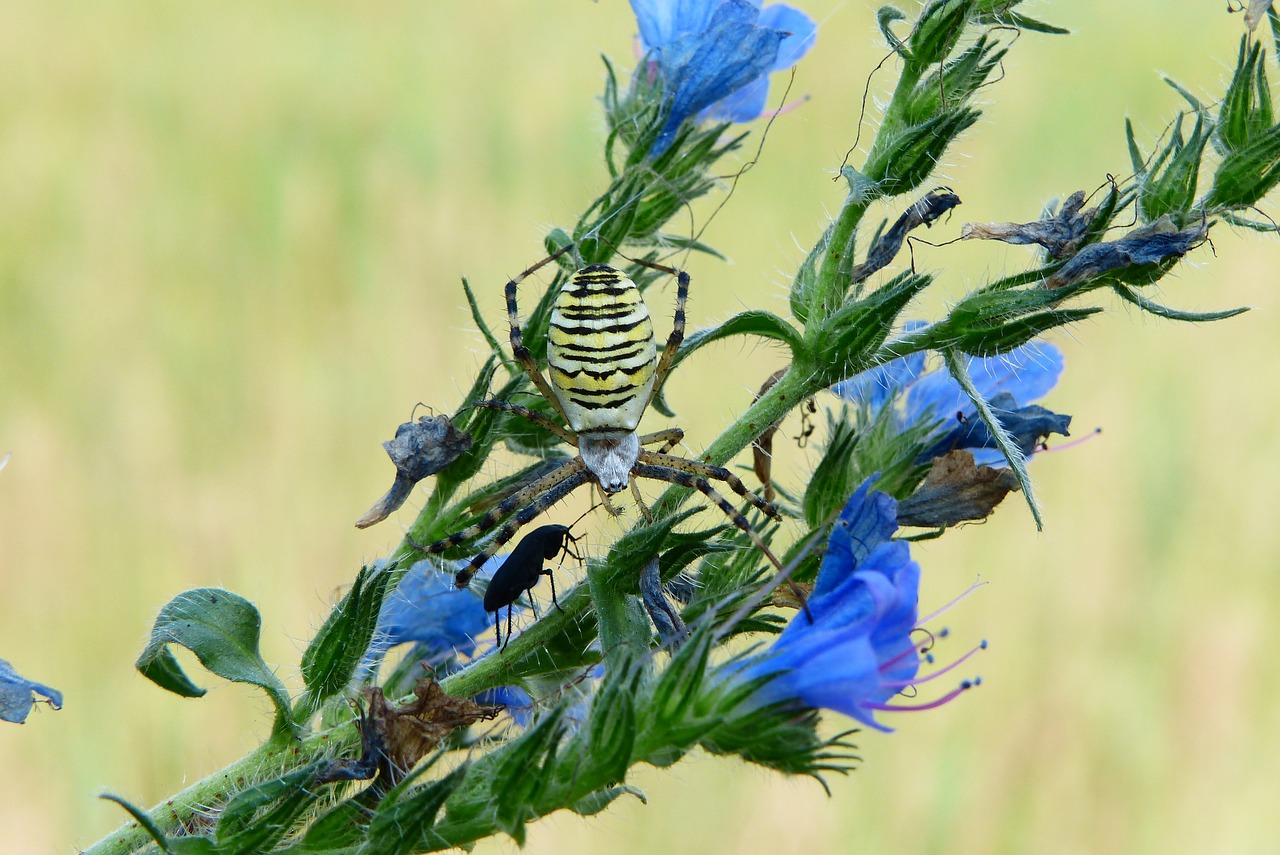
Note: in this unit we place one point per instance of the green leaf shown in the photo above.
(939, 28)
(907, 158)
(593, 803)
(677, 690)
(1246, 107)
(407, 823)
(330, 660)
(222, 630)
(518, 776)
(182, 846)
(1005, 337)
(258, 818)
(1247, 174)
(1022, 22)
(1172, 191)
(482, 326)
(753, 322)
(612, 726)
(1175, 314)
(959, 368)
(343, 826)
(631, 552)
(885, 16)
(1135, 154)
(852, 333)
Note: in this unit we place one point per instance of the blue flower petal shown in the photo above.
(857, 651)
(742, 106)
(517, 701)
(1027, 373)
(802, 30)
(16, 694)
(661, 21)
(878, 386)
(426, 607)
(703, 67)
(868, 520)
(1028, 426)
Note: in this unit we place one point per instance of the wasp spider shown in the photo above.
(604, 370)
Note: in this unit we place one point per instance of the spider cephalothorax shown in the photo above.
(604, 370)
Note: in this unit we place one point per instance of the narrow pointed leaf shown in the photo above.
(332, 657)
(959, 368)
(408, 824)
(1176, 314)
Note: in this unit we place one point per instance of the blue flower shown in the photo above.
(1009, 383)
(857, 652)
(16, 691)
(426, 608)
(715, 56)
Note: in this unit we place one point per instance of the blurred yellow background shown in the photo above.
(231, 237)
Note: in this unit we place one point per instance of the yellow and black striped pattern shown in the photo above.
(601, 353)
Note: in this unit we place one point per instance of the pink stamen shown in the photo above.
(1045, 449)
(947, 698)
(902, 684)
(784, 109)
(966, 592)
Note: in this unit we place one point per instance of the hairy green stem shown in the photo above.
(267, 761)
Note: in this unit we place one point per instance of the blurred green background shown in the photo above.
(230, 243)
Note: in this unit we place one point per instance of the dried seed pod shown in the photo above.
(419, 449)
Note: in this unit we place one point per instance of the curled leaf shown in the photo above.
(222, 629)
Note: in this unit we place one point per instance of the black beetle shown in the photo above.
(522, 569)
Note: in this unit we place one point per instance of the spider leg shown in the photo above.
(509, 608)
(635, 494)
(669, 438)
(504, 508)
(707, 471)
(684, 478)
(547, 497)
(608, 505)
(518, 348)
(674, 340)
(531, 415)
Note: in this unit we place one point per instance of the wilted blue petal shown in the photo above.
(1028, 426)
(426, 607)
(16, 692)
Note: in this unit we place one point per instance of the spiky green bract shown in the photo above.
(930, 107)
(330, 660)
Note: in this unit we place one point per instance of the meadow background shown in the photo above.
(231, 237)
